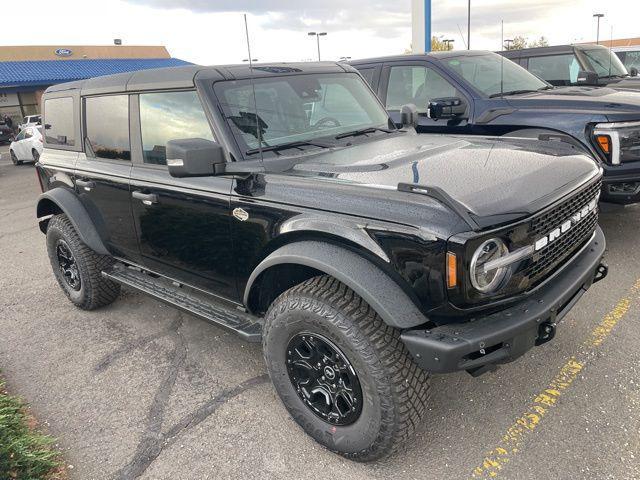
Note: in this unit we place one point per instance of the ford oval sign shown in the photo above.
(63, 52)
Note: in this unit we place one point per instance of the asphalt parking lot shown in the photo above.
(139, 390)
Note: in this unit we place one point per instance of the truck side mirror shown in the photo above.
(409, 115)
(446, 108)
(194, 157)
(633, 71)
(587, 78)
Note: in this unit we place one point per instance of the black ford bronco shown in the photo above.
(281, 202)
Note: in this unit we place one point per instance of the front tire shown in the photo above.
(320, 336)
(77, 268)
(14, 159)
(35, 155)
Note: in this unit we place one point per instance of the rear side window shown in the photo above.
(368, 73)
(107, 127)
(170, 116)
(556, 69)
(59, 125)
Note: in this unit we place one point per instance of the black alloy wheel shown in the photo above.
(324, 379)
(68, 265)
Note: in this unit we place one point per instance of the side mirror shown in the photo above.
(194, 157)
(446, 108)
(633, 71)
(409, 115)
(587, 78)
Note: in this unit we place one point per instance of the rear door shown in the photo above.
(102, 172)
(182, 224)
(419, 82)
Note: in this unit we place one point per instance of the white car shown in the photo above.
(30, 121)
(27, 146)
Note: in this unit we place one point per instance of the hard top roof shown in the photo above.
(421, 56)
(184, 77)
(549, 50)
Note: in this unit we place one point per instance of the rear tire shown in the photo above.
(77, 268)
(14, 159)
(323, 315)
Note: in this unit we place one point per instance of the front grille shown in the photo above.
(562, 249)
(544, 223)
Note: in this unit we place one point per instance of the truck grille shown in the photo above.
(558, 252)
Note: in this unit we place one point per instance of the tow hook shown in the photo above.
(546, 332)
(601, 272)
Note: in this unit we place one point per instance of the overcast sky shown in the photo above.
(212, 31)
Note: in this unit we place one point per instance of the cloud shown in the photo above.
(382, 18)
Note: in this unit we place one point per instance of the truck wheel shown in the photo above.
(343, 374)
(77, 268)
(14, 159)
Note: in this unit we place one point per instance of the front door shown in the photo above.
(419, 83)
(102, 172)
(183, 225)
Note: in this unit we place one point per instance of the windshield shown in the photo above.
(604, 62)
(491, 74)
(298, 108)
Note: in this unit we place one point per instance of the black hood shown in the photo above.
(617, 105)
(627, 83)
(493, 179)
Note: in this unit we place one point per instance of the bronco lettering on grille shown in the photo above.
(576, 218)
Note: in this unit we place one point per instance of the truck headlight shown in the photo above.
(618, 142)
(484, 280)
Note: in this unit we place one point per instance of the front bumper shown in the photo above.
(621, 183)
(502, 337)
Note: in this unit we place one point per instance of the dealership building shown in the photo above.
(26, 71)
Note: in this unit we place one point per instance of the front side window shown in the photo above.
(107, 127)
(417, 85)
(493, 74)
(603, 61)
(556, 69)
(170, 116)
(59, 121)
(367, 74)
(298, 108)
(631, 60)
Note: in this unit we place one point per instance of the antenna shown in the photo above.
(610, 52)
(502, 60)
(462, 36)
(253, 87)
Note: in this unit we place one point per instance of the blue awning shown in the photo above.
(49, 72)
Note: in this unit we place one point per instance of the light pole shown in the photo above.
(317, 35)
(507, 43)
(469, 25)
(345, 59)
(246, 59)
(448, 42)
(598, 16)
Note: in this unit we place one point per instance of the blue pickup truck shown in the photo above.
(482, 93)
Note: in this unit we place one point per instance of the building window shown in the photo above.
(59, 124)
(170, 116)
(107, 127)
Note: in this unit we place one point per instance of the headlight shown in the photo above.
(619, 142)
(488, 281)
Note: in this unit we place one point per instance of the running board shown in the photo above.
(189, 300)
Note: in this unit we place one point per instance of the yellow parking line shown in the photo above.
(541, 404)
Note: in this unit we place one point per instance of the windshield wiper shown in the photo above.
(363, 131)
(285, 146)
(511, 92)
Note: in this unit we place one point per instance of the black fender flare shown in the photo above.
(66, 201)
(378, 289)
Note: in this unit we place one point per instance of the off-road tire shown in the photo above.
(394, 388)
(95, 290)
(14, 159)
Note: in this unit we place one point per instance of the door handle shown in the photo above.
(86, 184)
(146, 198)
